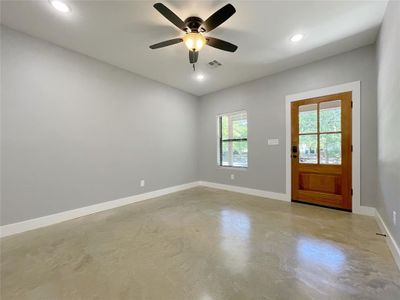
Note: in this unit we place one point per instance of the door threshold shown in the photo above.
(324, 206)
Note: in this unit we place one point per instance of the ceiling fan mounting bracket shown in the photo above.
(193, 23)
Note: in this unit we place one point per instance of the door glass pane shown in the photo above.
(239, 125)
(308, 118)
(330, 148)
(329, 116)
(308, 149)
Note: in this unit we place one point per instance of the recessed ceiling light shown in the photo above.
(297, 38)
(60, 6)
(200, 77)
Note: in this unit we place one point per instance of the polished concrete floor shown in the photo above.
(202, 244)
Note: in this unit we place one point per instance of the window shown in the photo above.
(232, 140)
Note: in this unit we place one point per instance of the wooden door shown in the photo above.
(321, 150)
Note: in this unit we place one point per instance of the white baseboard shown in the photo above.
(19, 227)
(243, 190)
(31, 224)
(364, 210)
(360, 210)
(394, 248)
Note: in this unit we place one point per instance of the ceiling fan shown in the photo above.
(194, 28)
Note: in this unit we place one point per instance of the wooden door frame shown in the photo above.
(353, 87)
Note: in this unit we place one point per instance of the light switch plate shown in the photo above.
(273, 142)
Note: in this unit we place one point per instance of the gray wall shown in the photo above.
(76, 131)
(388, 49)
(264, 100)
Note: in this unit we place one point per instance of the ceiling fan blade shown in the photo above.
(170, 15)
(219, 17)
(166, 43)
(193, 56)
(220, 44)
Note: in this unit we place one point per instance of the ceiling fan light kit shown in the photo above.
(194, 28)
(194, 41)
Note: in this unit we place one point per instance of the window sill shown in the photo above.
(232, 168)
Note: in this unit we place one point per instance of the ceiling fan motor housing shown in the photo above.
(193, 23)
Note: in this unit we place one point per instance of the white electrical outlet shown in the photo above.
(232, 176)
(142, 183)
(394, 217)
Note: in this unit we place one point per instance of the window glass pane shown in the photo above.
(239, 154)
(226, 157)
(239, 125)
(330, 116)
(225, 127)
(308, 149)
(308, 118)
(330, 148)
(234, 154)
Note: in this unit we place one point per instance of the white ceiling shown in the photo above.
(119, 32)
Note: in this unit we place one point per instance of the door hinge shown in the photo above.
(351, 148)
(352, 192)
(351, 104)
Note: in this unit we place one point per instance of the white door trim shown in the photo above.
(353, 87)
